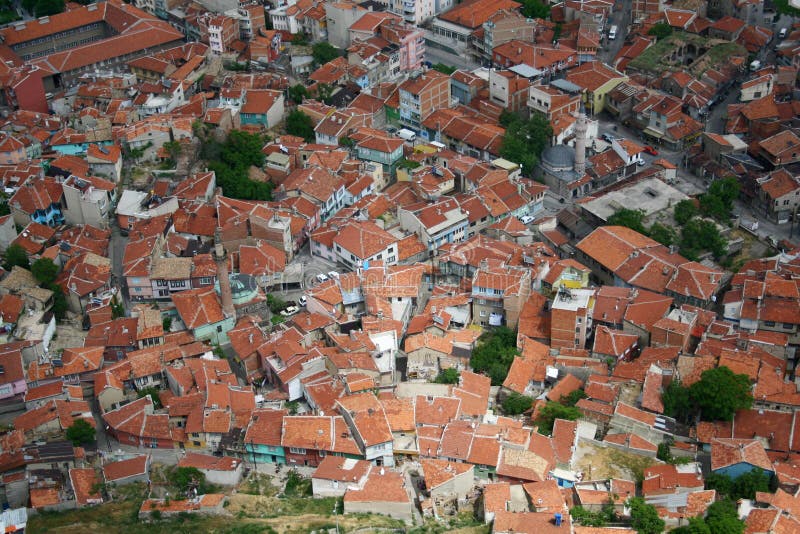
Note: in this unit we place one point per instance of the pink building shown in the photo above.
(12, 380)
(410, 39)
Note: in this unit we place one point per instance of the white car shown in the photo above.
(291, 310)
(322, 278)
(302, 300)
(526, 219)
(333, 274)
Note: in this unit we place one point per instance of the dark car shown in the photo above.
(650, 150)
(607, 137)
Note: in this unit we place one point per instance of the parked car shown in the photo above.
(782, 33)
(526, 219)
(333, 274)
(650, 150)
(291, 310)
(302, 301)
(641, 162)
(607, 137)
(322, 278)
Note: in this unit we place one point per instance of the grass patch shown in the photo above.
(652, 59)
(297, 486)
(258, 484)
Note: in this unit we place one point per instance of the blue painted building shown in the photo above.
(262, 439)
(736, 457)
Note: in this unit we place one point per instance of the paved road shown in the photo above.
(621, 18)
(436, 55)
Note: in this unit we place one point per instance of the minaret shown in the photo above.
(580, 142)
(221, 259)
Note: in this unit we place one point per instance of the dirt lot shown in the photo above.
(606, 462)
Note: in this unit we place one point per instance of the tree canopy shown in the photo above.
(299, 124)
(644, 517)
(699, 235)
(660, 30)
(745, 486)
(448, 376)
(231, 161)
(684, 210)
(444, 69)
(81, 432)
(525, 139)
(15, 255)
(535, 9)
(495, 351)
(323, 52)
(631, 218)
(516, 404)
(552, 411)
(44, 270)
(151, 392)
(717, 202)
(715, 397)
(297, 93)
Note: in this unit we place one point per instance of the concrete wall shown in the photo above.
(402, 511)
(224, 478)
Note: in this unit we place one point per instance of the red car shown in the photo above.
(650, 150)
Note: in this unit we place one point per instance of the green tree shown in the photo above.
(630, 218)
(745, 486)
(444, 69)
(4, 207)
(660, 30)
(665, 235)
(81, 432)
(299, 124)
(507, 117)
(572, 398)
(677, 401)
(297, 93)
(535, 9)
(346, 142)
(186, 477)
(323, 52)
(494, 353)
(785, 8)
(117, 308)
(60, 304)
(524, 141)
(166, 324)
(552, 411)
(684, 210)
(151, 392)
(717, 202)
(448, 376)
(15, 255)
(275, 304)
(644, 517)
(324, 92)
(45, 8)
(516, 404)
(699, 235)
(173, 148)
(231, 161)
(722, 516)
(720, 393)
(45, 271)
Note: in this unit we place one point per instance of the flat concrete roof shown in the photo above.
(651, 195)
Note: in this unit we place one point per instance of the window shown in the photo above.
(297, 450)
(788, 326)
(769, 323)
(483, 313)
(219, 328)
(196, 443)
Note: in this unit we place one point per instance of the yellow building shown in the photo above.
(597, 80)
